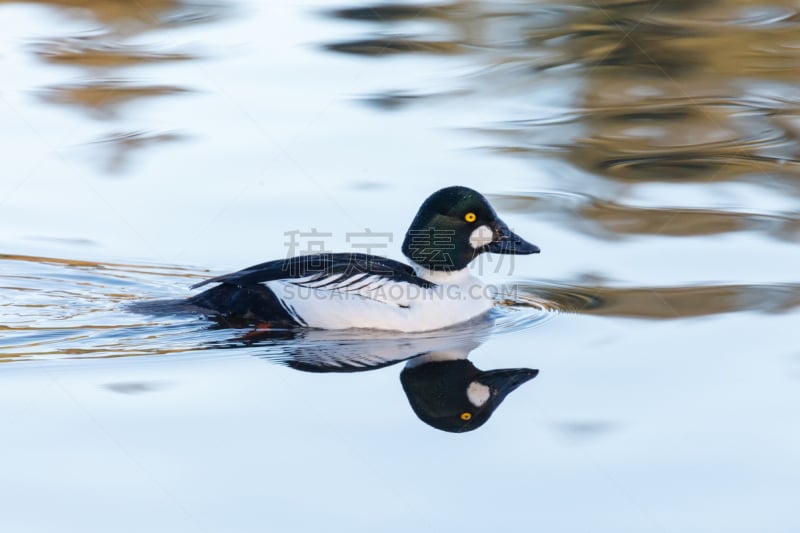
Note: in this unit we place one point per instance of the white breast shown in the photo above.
(378, 303)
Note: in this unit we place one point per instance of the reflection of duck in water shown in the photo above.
(444, 388)
(340, 291)
(453, 395)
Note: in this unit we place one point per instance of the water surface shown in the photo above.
(649, 148)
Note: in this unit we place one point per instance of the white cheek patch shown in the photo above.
(478, 393)
(481, 236)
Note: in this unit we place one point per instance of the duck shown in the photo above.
(335, 291)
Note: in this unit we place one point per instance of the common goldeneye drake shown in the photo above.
(353, 290)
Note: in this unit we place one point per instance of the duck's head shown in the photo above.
(455, 225)
(456, 396)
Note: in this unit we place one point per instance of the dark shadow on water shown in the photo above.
(583, 431)
(395, 45)
(136, 387)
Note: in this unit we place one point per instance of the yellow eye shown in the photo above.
(470, 217)
(466, 416)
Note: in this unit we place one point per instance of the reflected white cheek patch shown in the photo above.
(478, 393)
(480, 236)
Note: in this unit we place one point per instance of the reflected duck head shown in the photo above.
(455, 396)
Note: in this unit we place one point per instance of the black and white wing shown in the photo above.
(335, 272)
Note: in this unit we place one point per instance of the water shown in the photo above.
(650, 149)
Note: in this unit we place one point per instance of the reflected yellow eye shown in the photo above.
(470, 217)
(466, 416)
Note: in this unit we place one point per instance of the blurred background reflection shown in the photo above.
(650, 148)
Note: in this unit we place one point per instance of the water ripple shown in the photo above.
(666, 302)
(101, 50)
(635, 92)
(62, 308)
(608, 219)
(57, 308)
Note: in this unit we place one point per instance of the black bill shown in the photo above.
(507, 242)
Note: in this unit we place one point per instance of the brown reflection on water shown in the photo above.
(666, 302)
(107, 268)
(102, 98)
(135, 16)
(682, 90)
(688, 136)
(607, 219)
(100, 51)
(54, 307)
(103, 90)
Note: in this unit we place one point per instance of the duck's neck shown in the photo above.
(443, 277)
